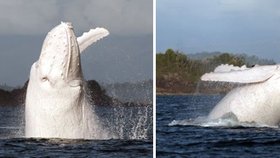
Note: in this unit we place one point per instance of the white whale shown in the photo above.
(257, 101)
(56, 102)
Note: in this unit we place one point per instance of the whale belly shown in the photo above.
(44, 119)
(55, 116)
(257, 103)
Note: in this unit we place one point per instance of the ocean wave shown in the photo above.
(228, 120)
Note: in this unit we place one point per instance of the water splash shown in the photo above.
(121, 121)
(127, 122)
(228, 120)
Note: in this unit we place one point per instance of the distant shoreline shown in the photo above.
(96, 92)
(187, 94)
(179, 73)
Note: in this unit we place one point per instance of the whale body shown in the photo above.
(257, 101)
(56, 102)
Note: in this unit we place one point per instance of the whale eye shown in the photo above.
(44, 79)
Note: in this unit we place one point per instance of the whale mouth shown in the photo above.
(60, 56)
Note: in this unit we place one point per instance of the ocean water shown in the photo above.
(183, 131)
(133, 124)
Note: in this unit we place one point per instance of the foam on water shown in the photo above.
(227, 120)
(127, 122)
(124, 122)
(188, 135)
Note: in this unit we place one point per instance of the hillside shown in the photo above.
(141, 92)
(97, 93)
(178, 73)
(250, 60)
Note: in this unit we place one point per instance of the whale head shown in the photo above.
(58, 72)
(59, 63)
(56, 104)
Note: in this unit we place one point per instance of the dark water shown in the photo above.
(183, 140)
(133, 124)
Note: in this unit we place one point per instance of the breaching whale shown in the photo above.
(257, 101)
(56, 102)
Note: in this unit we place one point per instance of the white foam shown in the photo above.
(228, 120)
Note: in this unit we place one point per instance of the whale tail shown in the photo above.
(90, 37)
(230, 73)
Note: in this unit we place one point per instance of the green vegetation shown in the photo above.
(176, 71)
(176, 65)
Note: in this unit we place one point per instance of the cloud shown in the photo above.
(238, 5)
(119, 16)
(26, 17)
(123, 56)
(250, 8)
(248, 26)
(31, 17)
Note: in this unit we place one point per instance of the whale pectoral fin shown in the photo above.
(240, 74)
(90, 37)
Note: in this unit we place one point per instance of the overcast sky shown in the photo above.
(125, 55)
(237, 26)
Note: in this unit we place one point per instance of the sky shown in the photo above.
(124, 56)
(235, 26)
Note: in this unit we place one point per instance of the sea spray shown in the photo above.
(229, 120)
(129, 122)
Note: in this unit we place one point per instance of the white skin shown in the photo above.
(256, 102)
(56, 102)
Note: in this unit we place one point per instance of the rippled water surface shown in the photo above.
(133, 125)
(180, 133)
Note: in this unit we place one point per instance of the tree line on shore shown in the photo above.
(96, 93)
(176, 72)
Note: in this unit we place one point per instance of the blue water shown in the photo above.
(133, 125)
(188, 139)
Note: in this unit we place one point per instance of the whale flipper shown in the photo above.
(90, 37)
(230, 73)
(228, 68)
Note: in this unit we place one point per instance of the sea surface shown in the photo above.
(183, 131)
(133, 124)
